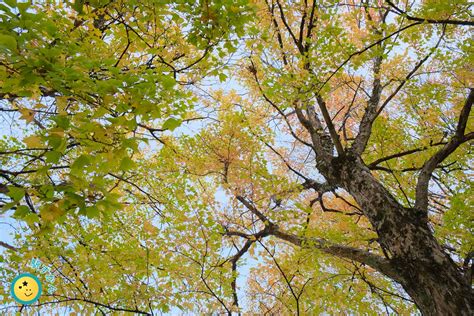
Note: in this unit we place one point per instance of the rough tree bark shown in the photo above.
(421, 265)
(425, 270)
(413, 256)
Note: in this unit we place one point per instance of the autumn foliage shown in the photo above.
(263, 157)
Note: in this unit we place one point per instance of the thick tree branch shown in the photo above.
(315, 131)
(370, 113)
(362, 256)
(3, 188)
(431, 164)
(330, 125)
(251, 239)
(372, 260)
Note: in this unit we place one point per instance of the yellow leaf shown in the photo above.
(32, 141)
(149, 227)
(108, 99)
(27, 115)
(51, 212)
(61, 104)
(57, 131)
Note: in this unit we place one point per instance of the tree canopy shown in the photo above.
(268, 157)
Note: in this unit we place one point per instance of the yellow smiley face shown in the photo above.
(26, 288)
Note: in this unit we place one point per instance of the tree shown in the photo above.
(333, 154)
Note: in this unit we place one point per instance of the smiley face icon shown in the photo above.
(26, 288)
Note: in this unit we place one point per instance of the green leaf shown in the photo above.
(11, 3)
(165, 308)
(172, 123)
(31, 218)
(92, 211)
(78, 4)
(126, 164)
(21, 211)
(230, 48)
(53, 156)
(16, 193)
(222, 77)
(23, 6)
(62, 121)
(57, 142)
(48, 191)
(80, 163)
(7, 41)
(8, 206)
(131, 143)
(168, 82)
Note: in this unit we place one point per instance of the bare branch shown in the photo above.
(98, 304)
(275, 106)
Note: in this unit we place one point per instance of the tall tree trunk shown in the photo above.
(427, 272)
